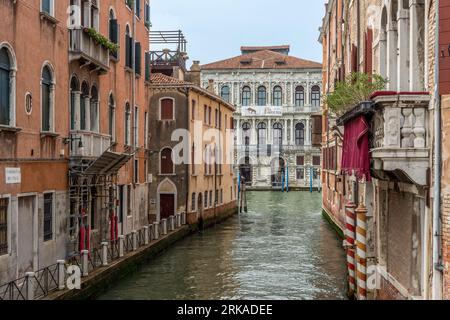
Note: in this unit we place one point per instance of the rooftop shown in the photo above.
(263, 59)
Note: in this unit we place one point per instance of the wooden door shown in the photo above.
(166, 205)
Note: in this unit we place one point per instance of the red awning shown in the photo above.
(355, 153)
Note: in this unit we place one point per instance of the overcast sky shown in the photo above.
(215, 29)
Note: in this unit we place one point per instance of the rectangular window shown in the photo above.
(205, 115)
(193, 111)
(300, 160)
(316, 160)
(216, 199)
(138, 8)
(206, 199)
(300, 174)
(193, 206)
(221, 196)
(48, 216)
(146, 130)
(217, 118)
(209, 116)
(4, 203)
(46, 6)
(210, 198)
(136, 171)
(136, 127)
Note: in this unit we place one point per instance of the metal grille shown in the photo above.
(48, 217)
(4, 226)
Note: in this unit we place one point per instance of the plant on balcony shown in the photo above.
(357, 88)
(101, 40)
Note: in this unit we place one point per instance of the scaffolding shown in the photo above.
(171, 50)
(93, 194)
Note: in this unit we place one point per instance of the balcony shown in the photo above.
(276, 111)
(90, 53)
(92, 145)
(259, 111)
(399, 145)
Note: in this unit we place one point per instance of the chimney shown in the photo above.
(210, 86)
(194, 74)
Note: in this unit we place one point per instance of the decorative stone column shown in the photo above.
(77, 111)
(403, 64)
(392, 39)
(415, 77)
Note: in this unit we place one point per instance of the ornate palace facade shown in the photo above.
(277, 120)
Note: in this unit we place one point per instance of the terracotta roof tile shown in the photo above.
(264, 59)
(159, 78)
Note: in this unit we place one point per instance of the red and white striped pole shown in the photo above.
(350, 236)
(361, 259)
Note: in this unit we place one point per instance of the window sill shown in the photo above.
(49, 134)
(50, 18)
(4, 128)
(167, 174)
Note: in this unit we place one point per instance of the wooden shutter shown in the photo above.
(4, 226)
(368, 52)
(354, 58)
(147, 66)
(4, 97)
(129, 50)
(166, 162)
(138, 58)
(316, 130)
(167, 109)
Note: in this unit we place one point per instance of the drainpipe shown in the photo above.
(437, 255)
(133, 98)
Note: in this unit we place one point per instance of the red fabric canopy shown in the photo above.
(355, 153)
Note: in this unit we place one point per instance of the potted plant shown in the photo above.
(355, 90)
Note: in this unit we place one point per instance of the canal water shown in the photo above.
(281, 249)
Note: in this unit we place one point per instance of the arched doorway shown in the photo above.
(167, 199)
(278, 167)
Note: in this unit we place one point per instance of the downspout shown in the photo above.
(437, 254)
(187, 165)
(133, 98)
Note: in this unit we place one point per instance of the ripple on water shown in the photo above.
(281, 249)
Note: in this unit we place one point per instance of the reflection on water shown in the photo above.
(281, 249)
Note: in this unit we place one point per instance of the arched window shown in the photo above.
(128, 48)
(246, 133)
(300, 134)
(383, 43)
(112, 117)
(166, 162)
(315, 96)
(47, 99)
(94, 15)
(167, 109)
(127, 124)
(113, 32)
(6, 108)
(246, 96)
(74, 90)
(262, 134)
(277, 96)
(94, 109)
(85, 98)
(299, 96)
(262, 96)
(277, 134)
(225, 93)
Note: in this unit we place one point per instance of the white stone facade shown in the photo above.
(256, 110)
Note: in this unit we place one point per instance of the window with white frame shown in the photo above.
(7, 87)
(47, 99)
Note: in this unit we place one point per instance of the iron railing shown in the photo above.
(46, 280)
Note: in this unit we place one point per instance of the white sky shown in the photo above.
(215, 29)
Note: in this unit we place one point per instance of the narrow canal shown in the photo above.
(281, 249)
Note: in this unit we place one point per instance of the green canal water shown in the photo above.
(281, 249)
